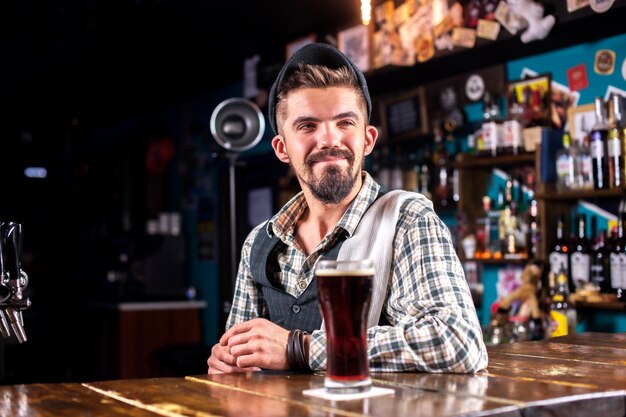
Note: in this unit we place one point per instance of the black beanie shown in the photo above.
(316, 54)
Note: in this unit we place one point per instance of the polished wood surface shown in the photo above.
(578, 375)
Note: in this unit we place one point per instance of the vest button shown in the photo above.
(296, 309)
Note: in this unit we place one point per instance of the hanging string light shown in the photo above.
(366, 12)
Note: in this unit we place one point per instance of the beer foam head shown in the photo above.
(345, 272)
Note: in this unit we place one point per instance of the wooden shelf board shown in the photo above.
(581, 194)
(468, 161)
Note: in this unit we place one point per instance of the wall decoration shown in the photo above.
(601, 6)
(604, 63)
(488, 29)
(611, 90)
(464, 37)
(386, 40)
(537, 25)
(425, 49)
(562, 98)
(581, 120)
(534, 93)
(417, 24)
(577, 77)
(292, 47)
(403, 115)
(355, 43)
(474, 87)
(508, 19)
(573, 5)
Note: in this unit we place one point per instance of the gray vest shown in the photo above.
(284, 309)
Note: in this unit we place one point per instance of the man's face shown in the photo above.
(325, 138)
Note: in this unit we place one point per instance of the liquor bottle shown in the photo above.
(410, 174)
(598, 142)
(443, 172)
(491, 127)
(562, 315)
(395, 173)
(374, 166)
(424, 181)
(485, 233)
(615, 143)
(618, 258)
(559, 255)
(384, 173)
(583, 163)
(580, 259)
(565, 165)
(507, 223)
(512, 127)
(534, 232)
(600, 263)
(471, 143)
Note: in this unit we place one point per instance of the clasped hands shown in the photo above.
(250, 346)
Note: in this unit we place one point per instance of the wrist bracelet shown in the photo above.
(296, 356)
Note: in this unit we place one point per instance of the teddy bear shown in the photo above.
(537, 26)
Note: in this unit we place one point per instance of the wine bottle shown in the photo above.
(618, 258)
(580, 260)
(598, 135)
(562, 315)
(614, 143)
(559, 255)
(600, 263)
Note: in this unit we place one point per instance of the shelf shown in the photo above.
(466, 161)
(606, 305)
(581, 194)
(501, 261)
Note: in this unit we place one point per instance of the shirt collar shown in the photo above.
(283, 223)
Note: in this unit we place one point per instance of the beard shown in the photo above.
(334, 184)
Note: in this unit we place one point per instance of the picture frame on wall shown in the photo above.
(580, 120)
(293, 46)
(355, 43)
(403, 116)
(535, 96)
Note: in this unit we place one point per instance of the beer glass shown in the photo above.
(345, 293)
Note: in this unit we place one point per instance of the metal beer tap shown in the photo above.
(13, 281)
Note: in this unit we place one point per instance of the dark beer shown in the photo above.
(344, 297)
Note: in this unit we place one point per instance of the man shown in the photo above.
(319, 107)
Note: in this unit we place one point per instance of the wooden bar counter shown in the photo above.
(577, 375)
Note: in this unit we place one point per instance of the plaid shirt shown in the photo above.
(434, 326)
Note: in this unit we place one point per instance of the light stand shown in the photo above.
(237, 125)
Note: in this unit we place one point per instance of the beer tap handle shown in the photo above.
(12, 240)
(17, 323)
(4, 325)
(3, 255)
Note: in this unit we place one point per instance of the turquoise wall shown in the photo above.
(558, 62)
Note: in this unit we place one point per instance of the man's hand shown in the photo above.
(256, 343)
(222, 362)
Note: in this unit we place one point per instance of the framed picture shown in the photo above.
(355, 43)
(292, 47)
(580, 120)
(561, 99)
(534, 94)
(403, 116)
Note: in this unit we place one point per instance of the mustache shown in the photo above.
(329, 152)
